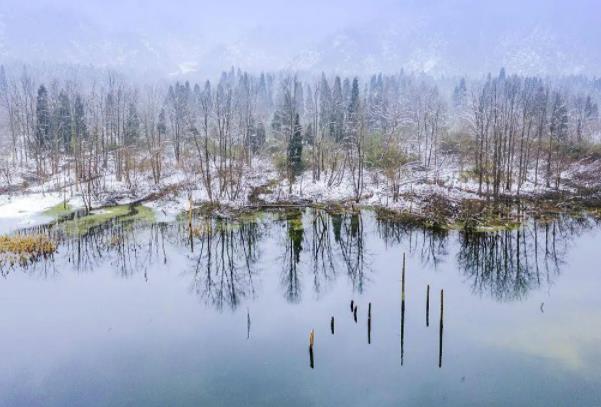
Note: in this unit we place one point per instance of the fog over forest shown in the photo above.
(457, 37)
(240, 102)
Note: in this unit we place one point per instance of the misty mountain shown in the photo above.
(440, 38)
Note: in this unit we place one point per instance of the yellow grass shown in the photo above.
(26, 247)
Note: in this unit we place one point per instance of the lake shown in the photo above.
(136, 313)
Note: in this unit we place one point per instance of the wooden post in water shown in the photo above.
(369, 324)
(428, 305)
(355, 314)
(190, 212)
(403, 312)
(352, 305)
(441, 328)
(247, 324)
(403, 280)
(332, 325)
(190, 223)
(311, 342)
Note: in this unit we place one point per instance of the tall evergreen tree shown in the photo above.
(295, 149)
(337, 120)
(162, 125)
(309, 136)
(460, 95)
(325, 105)
(299, 99)
(132, 124)
(276, 123)
(258, 139)
(559, 119)
(353, 111)
(591, 109)
(42, 126)
(63, 121)
(178, 99)
(346, 91)
(80, 130)
(4, 97)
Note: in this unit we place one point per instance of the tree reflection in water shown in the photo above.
(323, 258)
(225, 259)
(505, 265)
(334, 241)
(294, 237)
(348, 233)
(429, 245)
(508, 264)
(121, 244)
(128, 248)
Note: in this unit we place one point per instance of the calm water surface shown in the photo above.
(141, 315)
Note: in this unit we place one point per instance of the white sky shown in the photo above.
(457, 34)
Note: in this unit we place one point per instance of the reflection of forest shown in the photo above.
(123, 245)
(508, 264)
(224, 265)
(294, 237)
(429, 245)
(316, 244)
(348, 233)
(333, 241)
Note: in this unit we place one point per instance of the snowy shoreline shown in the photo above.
(263, 186)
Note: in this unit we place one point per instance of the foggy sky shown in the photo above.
(436, 36)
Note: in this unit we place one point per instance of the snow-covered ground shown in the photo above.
(177, 187)
(20, 211)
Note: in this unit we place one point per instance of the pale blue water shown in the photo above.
(134, 317)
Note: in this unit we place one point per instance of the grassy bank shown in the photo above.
(19, 249)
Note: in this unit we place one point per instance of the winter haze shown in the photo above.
(457, 37)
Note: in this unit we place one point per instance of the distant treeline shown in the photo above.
(505, 129)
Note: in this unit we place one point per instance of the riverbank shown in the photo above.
(440, 198)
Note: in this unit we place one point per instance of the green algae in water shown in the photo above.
(240, 220)
(251, 216)
(59, 210)
(124, 213)
(201, 217)
(296, 224)
(484, 227)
